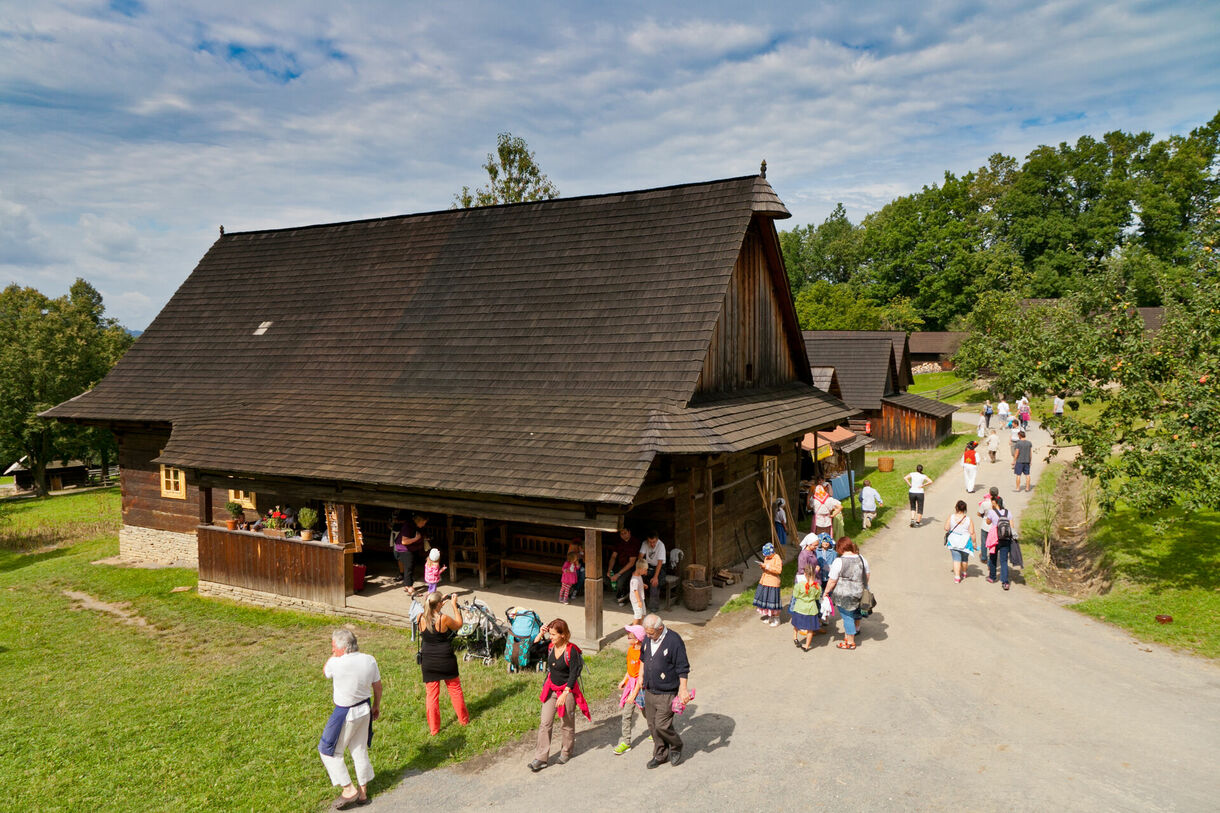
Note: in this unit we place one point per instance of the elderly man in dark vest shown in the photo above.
(664, 672)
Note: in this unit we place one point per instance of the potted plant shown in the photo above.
(274, 522)
(307, 518)
(236, 512)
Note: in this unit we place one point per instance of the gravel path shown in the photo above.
(960, 697)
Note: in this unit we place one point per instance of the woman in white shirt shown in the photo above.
(916, 482)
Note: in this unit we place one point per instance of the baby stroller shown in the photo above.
(482, 631)
(520, 650)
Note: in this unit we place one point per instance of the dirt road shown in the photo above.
(960, 697)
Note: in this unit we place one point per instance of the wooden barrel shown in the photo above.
(696, 595)
(696, 573)
(885, 464)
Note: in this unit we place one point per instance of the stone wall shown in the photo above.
(152, 545)
(277, 602)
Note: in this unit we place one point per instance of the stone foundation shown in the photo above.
(278, 602)
(151, 545)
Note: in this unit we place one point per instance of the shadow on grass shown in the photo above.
(10, 561)
(1162, 550)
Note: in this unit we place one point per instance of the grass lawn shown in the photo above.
(936, 463)
(932, 381)
(1039, 515)
(208, 705)
(1164, 564)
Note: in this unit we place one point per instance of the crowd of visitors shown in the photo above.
(831, 581)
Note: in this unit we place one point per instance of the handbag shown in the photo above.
(867, 600)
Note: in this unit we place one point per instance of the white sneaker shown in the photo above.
(774, 622)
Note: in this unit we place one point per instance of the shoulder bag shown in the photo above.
(867, 600)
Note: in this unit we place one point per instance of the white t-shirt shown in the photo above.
(918, 481)
(1058, 409)
(836, 567)
(653, 554)
(635, 593)
(354, 675)
(1002, 408)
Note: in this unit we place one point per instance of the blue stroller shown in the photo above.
(519, 649)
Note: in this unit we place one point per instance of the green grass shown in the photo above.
(212, 705)
(936, 463)
(6, 480)
(1034, 521)
(1163, 564)
(925, 382)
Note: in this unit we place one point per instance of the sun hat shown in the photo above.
(636, 630)
(435, 554)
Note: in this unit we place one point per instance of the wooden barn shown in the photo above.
(523, 374)
(903, 377)
(870, 375)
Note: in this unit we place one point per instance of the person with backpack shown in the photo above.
(988, 411)
(561, 694)
(1000, 536)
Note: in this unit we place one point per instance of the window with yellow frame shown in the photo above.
(243, 498)
(173, 483)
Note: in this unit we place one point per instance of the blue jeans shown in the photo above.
(1001, 553)
(851, 620)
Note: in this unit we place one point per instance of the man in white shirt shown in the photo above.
(357, 696)
(653, 554)
(1003, 411)
(1058, 407)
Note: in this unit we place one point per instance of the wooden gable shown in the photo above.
(756, 341)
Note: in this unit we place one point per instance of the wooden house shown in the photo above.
(60, 474)
(903, 377)
(870, 376)
(523, 373)
(936, 347)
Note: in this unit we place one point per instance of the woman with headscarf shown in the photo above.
(766, 595)
(970, 465)
(825, 508)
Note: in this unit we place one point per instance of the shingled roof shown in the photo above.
(545, 349)
(863, 364)
(903, 377)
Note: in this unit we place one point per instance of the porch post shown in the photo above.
(711, 511)
(205, 505)
(593, 586)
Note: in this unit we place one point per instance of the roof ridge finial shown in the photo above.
(222, 230)
(762, 170)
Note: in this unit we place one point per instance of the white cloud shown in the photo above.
(125, 140)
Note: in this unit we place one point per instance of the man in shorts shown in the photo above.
(1022, 456)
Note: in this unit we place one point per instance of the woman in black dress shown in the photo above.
(436, 631)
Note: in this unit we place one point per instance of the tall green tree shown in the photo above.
(52, 350)
(829, 252)
(513, 176)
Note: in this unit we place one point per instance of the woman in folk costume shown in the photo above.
(766, 595)
(825, 508)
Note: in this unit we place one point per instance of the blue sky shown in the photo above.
(129, 129)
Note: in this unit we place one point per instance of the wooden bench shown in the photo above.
(540, 554)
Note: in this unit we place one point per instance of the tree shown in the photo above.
(823, 305)
(513, 177)
(52, 350)
(829, 252)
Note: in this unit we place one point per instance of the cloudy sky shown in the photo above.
(129, 129)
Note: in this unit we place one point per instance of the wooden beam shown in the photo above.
(593, 586)
(571, 515)
(692, 544)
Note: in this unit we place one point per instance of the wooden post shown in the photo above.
(693, 547)
(593, 586)
(710, 498)
(205, 505)
(480, 529)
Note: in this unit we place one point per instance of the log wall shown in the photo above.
(898, 428)
(738, 513)
(749, 346)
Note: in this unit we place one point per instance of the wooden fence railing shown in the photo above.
(313, 571)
